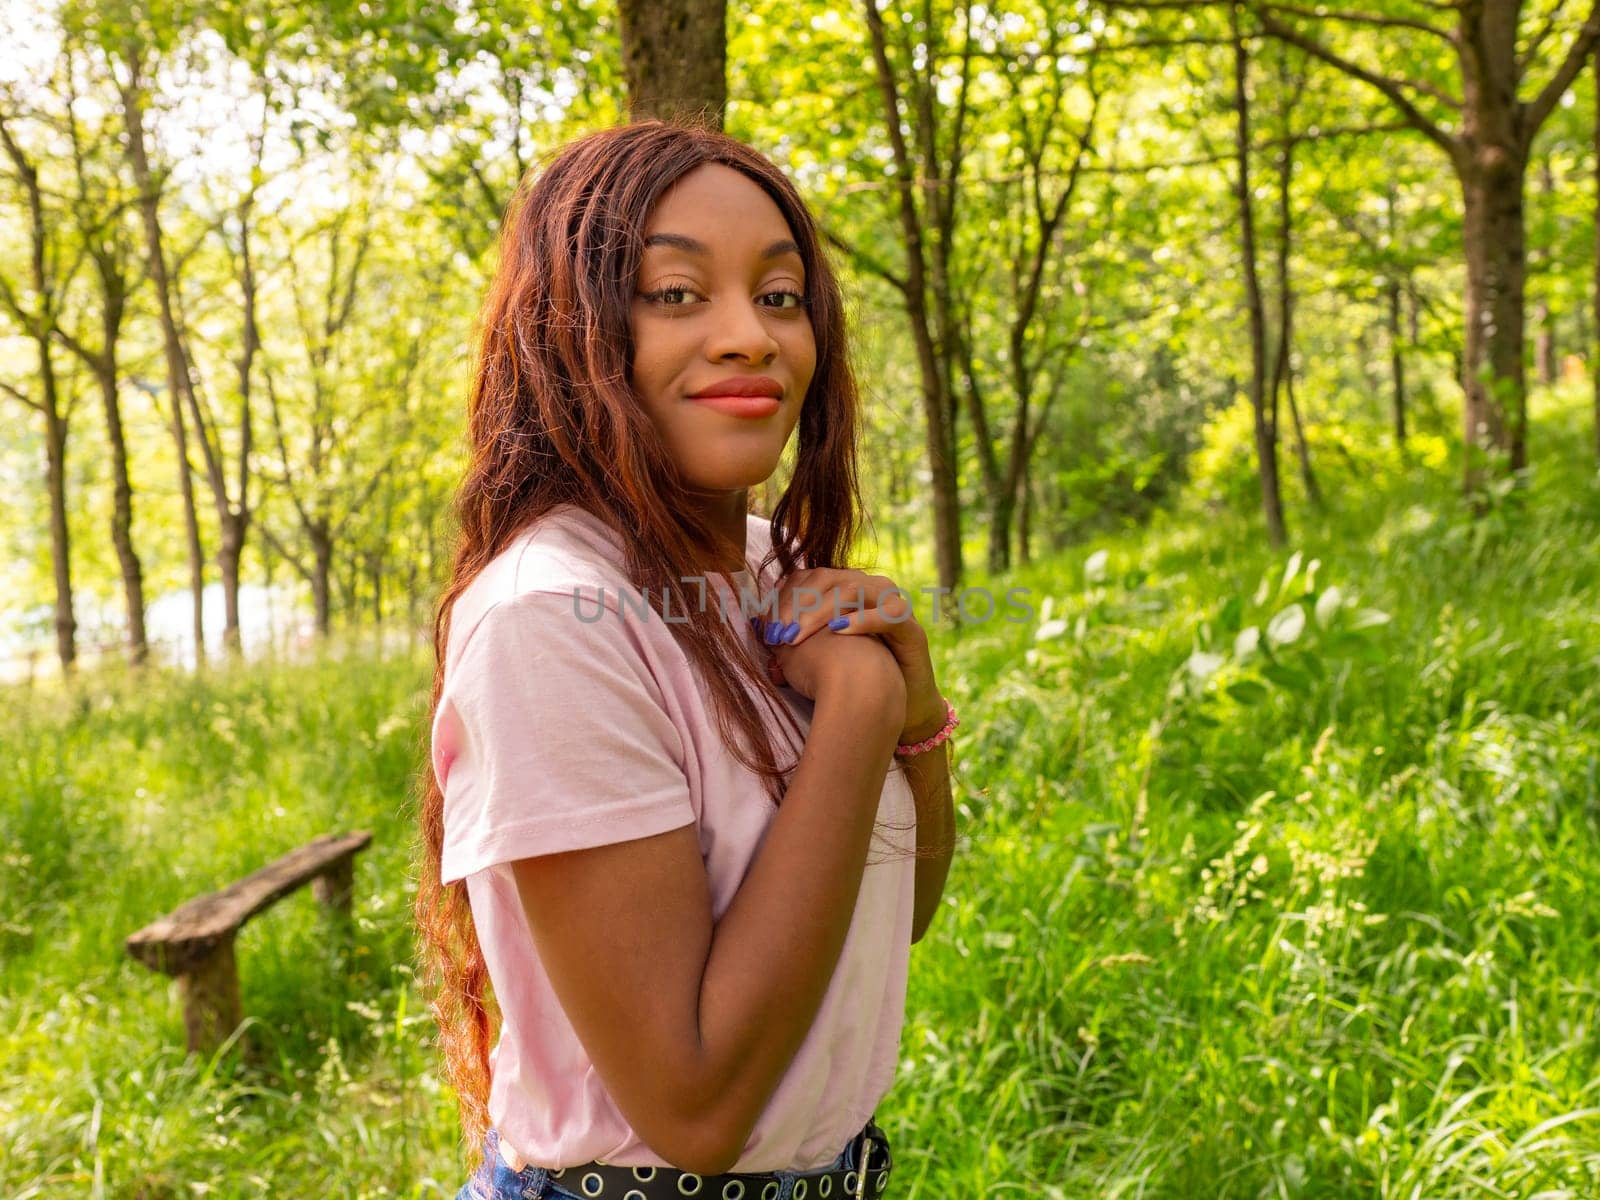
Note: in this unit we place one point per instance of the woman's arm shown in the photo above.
(928, 774)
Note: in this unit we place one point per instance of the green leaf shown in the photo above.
(1232, 613)
(1248, 691)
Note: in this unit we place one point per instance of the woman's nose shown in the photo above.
(738, 331)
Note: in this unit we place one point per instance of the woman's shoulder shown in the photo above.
(566, 551)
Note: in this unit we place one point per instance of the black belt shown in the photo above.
(598, 1181)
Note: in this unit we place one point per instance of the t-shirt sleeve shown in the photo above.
(551, 735)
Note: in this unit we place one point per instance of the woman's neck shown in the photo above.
(725, 513)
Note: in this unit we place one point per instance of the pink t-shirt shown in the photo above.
(559, 731)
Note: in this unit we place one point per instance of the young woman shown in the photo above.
(648, 818)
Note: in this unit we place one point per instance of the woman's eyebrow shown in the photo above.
(682, 241)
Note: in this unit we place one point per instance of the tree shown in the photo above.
(335, 443)
(1266, 419)
(928, 233)
(1051, 113)
(34, 302)
(1488, 147)
(101, 204)
(180, 380)
(1291, 92)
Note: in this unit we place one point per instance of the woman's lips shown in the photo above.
(741, 406)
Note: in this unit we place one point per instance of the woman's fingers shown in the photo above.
(809, 600)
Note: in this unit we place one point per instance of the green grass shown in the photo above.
(1311, 923)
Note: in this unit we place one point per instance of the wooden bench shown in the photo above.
(194, 942)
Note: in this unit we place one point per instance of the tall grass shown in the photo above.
(1308, 919)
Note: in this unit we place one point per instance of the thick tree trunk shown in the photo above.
(1493, 375)
(674, 57)
(1266, 431)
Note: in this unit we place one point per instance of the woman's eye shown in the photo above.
(672, 297)
(785, 299)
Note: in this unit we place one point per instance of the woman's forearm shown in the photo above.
(928, 774)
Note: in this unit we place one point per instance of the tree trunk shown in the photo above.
(1544, 343)
(234, 519)
(1397, 364)
(1302, 448)
(55, 442)
(191, 527)
(674, 58)
(1283, 367)
(1266, 432)
(1493, 376)
(40, 323)
(230, 549)
(321, 577)
(1002, 511)
(178, 381)
(122, 511)
(1025, 517)
(1545, 356)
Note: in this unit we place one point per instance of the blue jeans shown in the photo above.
(496, 1181)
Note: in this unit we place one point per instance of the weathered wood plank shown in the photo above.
(210, 997)
(190, 933)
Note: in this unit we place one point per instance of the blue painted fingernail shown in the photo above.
(838, 623)
(769, 632)
(791, 631)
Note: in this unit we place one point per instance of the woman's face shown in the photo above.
(719, 304)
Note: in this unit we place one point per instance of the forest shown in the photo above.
(1260, 341)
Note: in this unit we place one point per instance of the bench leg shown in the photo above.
(334, 886)
(210, 996)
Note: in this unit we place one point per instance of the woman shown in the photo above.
(700, 988)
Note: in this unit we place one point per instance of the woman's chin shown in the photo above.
(729, 476)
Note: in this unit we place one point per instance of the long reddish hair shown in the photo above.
(552, 419)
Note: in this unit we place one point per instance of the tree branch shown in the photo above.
(864, 260)
(1360, 18)
(1391, 88)
(19, 394)
(1535, 111)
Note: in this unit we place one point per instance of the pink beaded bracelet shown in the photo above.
(905, 750)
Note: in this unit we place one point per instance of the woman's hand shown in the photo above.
(870, 605)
